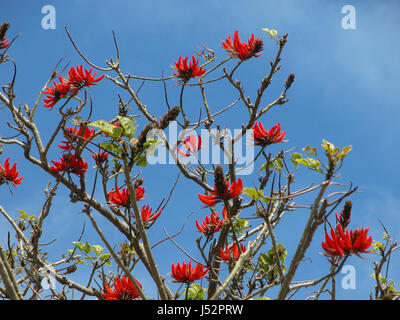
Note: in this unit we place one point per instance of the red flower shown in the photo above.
(244, 50)
(70, 163)
(345, 242)
(264, 137)
(82, 78)
(124, 289)
(232, 191)
(57, 92)
(192, 145)
(233, 256)
(147, 217)
(9, 174)
(185, 71)
(3, 40)
(332, 244)
(139, 193)
(100, 157)
(185, 272)
(76, 136)
(122, 197)
(210, 225)
(3, 43)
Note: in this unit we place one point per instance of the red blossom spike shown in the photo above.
(231, 191)
(243, 50)
(57, 92)
(343, 242)
(210, 225)
(70, 163)
(264, 137)
(10, 174)
(100, 157)
(124, 289)
(147, 217)
(122, 197)
(77, 77)
(3, 39)
(185, 273)
(76, 136)
(4, 44)
(232, 256)
(185, 71)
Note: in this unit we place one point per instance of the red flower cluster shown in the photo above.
(124, 289)
(77, 79)
(211, 224)
(185, 71)
(76, 136)
(70, 163)
(9, 174)
(192, 145)
(230, 192)
(264, 137)
(56, 92)
(232, 256)
(243, 50)
(345, 242)
(3, 40)
(80, 78)
(3, 43)
(100, 157)
(122, 197)
(147, 217)
(186, 273)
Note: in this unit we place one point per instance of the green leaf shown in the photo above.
(344, 152)
(239, 225)
(264, 166)
(97, 249)
(196, 292)
(278, 164)
(253, 193)
(112, 147)
(105, 257)
(268, 259)
(85, 247)
(311, 150)
(282, 252)
(109, 128)
(151, 146)
(128, 126)
(378, 245)
(328, 147)
(295, 157)
(141, 161)
(24, 215)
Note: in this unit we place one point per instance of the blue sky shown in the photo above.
(344, 92)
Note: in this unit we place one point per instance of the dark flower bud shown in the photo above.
(143, 135)
(168, 117)
(289, 81)
(345, 214)
(3, 29)
(219, 179)
(138, 182)
(71, 269)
